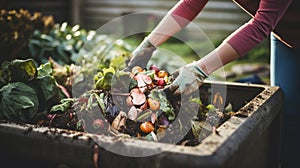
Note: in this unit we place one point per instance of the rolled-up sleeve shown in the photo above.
(186, 10)
(259, 27)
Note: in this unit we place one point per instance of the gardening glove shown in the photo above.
(187, 79)
(167, 27)
(141, 55)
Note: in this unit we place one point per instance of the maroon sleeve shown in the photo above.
(186, 10)
(259, 27)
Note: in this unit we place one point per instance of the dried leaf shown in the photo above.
(119, 121)
(218, 101)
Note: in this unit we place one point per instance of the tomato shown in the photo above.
(147, 127)
(160, 82)
(162, 74)
(153, 104)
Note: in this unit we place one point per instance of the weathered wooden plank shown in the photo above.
(218, 17)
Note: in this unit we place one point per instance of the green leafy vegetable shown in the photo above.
(18, 71)
(23, 70)
(48, 89)
(65, 105)
(202, 108)
(62, 43)
(45, 70)
(228, 108)
(118, 62)
(18, 102)
(27, 90)
(103, 79)
(46, 86)
(165, 105)
(100, 101)
(200, 129)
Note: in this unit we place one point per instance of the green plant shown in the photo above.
(98, 54)
(16, 28)
(27, 90)
(62, 44)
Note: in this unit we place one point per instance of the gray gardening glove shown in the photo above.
(187, 79)
(141, 55)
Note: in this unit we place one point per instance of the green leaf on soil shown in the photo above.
(22, 70)
(65, 105)
(19, 102)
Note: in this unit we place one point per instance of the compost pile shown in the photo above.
(132, 104)
(135, 107)
(40, 84)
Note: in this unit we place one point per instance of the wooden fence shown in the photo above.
(218, 19)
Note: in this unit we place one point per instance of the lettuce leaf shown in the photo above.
(22, 70)
(27, 90)
(17, 71)
(19, 102)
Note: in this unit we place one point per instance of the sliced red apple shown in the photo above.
(138, 97)
(143, 79)
(139, 80)
(129, 101)
(132, 113)
(147, 79)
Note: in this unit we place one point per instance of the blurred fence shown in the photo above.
(218, 19)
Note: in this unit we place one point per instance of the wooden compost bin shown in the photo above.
(251, 141)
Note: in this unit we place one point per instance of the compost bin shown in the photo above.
(251, 141)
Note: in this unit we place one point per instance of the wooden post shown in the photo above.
(75, 11)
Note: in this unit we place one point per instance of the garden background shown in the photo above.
(218, 19)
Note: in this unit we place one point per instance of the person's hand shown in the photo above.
(187, 79)
(141, 55)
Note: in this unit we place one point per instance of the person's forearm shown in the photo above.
(177, 18)
(218, 58)
(167, 27)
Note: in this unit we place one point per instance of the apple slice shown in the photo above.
(143, 79)
(138, 97)
(132, 113)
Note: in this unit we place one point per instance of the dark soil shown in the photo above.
(176, 133)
